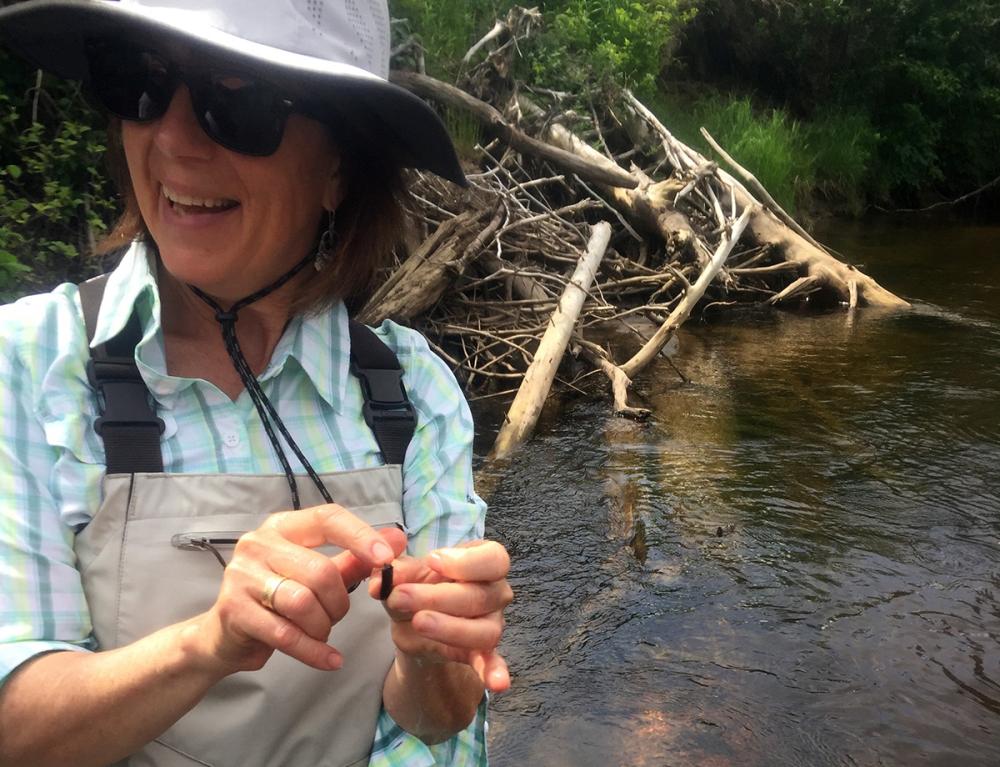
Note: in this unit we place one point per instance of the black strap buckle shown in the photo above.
(384, 394)
(126, 398)
(383, 389)
(386, 409)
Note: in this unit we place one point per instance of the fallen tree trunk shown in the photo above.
(767, 228)
(527, 405)
(421, 280)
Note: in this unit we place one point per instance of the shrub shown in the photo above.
(54, 193)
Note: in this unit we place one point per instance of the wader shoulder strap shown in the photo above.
(127, 424)
(387, 409)
(131, 431)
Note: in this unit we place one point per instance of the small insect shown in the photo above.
(386, 588)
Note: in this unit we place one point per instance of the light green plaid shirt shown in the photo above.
(51, 461)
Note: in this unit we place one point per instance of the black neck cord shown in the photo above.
(268, 415)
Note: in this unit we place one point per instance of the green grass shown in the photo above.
(464, 130)
(799, 163)
(447, 28)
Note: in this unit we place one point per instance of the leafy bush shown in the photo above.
(54, 193)
(601, 40)
(582, 42)
(924, 74)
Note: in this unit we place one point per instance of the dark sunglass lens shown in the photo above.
(244, 115)
(133, 84)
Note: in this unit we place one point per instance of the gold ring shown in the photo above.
(271, 587)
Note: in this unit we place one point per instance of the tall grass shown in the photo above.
(797, 162)
(448, 28)
(464, 129)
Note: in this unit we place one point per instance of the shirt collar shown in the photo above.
(134, 277)
(321, 345)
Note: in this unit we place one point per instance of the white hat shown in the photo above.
(337, 51)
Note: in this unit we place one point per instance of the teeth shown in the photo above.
(212, 202)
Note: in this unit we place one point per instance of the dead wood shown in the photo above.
(421, 280)
(527, 406)
(491, 119)
(495, 283)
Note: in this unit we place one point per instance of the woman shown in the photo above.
(262, 160)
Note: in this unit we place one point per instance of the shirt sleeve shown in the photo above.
(42, 604)
(441, 508)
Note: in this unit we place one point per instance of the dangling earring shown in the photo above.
(327, 244)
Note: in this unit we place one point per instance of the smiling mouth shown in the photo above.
(183, 204)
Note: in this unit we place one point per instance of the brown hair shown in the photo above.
(370, 221)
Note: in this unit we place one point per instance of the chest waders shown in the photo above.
(147, 561)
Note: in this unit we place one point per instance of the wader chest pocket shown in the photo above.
(207, 542)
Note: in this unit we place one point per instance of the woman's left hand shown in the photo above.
(448, 606)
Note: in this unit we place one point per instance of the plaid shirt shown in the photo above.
(52, 462)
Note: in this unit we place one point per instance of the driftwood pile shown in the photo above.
(581, 220)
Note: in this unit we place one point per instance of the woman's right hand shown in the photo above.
(239, 632)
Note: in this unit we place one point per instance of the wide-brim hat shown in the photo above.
(336, 51)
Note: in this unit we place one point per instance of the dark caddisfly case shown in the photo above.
(386, 588)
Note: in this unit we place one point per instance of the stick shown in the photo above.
(498, 28)
(761, 192)
(944, 203)
(680, 313)
(422, 85)
(527, 405)
(620, 382)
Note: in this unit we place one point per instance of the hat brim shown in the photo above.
(52, 35)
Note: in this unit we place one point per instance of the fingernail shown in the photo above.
(335, 660)
(428, 624)
(400, 600)
(435, 556)
(382, 552)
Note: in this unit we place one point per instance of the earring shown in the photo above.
(327, 244)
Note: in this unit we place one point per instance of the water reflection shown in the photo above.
(848, 613)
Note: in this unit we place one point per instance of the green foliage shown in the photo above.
(54, 193)
(841, 148)
(924, 74)
(582, 42)
(795, 161)
(593, 41)
(446, 28)
(464, 129)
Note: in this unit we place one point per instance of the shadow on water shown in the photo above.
(819, 576)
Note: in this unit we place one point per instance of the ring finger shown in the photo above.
(298, 604)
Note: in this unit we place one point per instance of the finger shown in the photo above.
(332, 523)
(300, 605)
(492, 670)
(464, 600)
(353, 570)
(474, 561)
(481, 633)
(278, 632)
(408, 641)
(322, 585)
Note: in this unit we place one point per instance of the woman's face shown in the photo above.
(225, 222)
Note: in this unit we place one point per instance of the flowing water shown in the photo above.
(818, 582)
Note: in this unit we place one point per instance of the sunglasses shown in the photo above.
(238, 112)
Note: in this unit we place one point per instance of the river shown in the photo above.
(820, 577)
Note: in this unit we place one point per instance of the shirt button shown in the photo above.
(231, 440)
